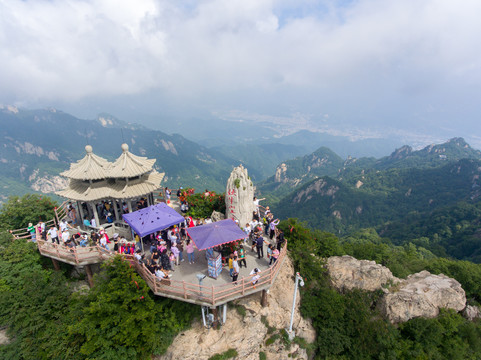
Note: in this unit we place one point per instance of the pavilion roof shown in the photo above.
(130, 165)
(90, 167)
(112, 188)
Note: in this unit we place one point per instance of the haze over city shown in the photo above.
(366, 68)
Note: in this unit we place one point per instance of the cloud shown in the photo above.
(374, 55)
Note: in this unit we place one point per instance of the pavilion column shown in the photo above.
(96, 215)
(116, 209)
(81, 212)
(89, 210)
(129, 205)
(148, 200)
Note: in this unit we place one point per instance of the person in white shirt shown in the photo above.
(93, 222)
(53, 233)
(65, 236)
(63, 225)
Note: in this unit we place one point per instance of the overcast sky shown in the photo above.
(412, 65)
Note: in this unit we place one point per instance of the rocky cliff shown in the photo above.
(420, 295)
(248, 333)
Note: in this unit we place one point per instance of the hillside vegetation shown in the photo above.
(429, 197)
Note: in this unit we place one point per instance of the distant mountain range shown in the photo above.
(432, 194)
(39, 144)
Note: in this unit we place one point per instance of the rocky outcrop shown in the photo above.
(217, 216)
(422, 294)
(348, 273)
(472, 313)
(239, 195)
(247, 334)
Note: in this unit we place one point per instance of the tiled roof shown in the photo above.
(91, 167)
(112, 188)
(130, 165)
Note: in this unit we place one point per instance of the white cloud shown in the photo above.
(373, 54)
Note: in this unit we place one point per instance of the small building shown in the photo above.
(93, 180)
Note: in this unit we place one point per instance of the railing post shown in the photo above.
(56, 215)
(75, 254)
(243, 284)
(213, 298)
(155, 285)
(185, 291)
(56, 248)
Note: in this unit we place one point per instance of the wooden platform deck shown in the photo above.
(183, 285)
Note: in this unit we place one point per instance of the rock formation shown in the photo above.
(348, 273)
(472, 313)
(247, 334)
(422, 294)
(239, 195)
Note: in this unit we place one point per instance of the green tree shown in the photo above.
(17, 212)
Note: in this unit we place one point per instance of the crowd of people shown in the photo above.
(168, 248)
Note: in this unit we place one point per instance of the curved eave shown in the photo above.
(121, 189)
(130, 165)
(90, 167)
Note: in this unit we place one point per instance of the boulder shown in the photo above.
(216, 216)
(472, 313)
(422, 294)
(239, 196)
(348, 273)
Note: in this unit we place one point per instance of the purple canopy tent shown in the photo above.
(153, 218)
(214, 234)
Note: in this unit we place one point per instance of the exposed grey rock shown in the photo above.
(348, 273)
(472, 312)
(422, 295)
(217, 216)
(239, 196)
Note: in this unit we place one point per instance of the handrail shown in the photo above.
(211, 295)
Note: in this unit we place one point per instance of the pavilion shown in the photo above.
(94, 179)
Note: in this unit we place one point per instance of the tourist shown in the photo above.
(103, 242)
(275, 255)
(167, 195)
(72, 214)
(41, 230)
(179, 192)
(231, 264)
(260, 246)
(165, 260)
(63, 225)
(31, 230)
(65, 236)
(53, 233)
(87, 223)
(84, 240)
(269, 253)
(180, 246)
(256, 204)
(255, 276)
(272, 228)
(184, 207)
(236, 270)
(190, 251)
(138, 256)
(242, 256)
(175, 252)
(155, 256)
(93, 222)
(280, 240)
